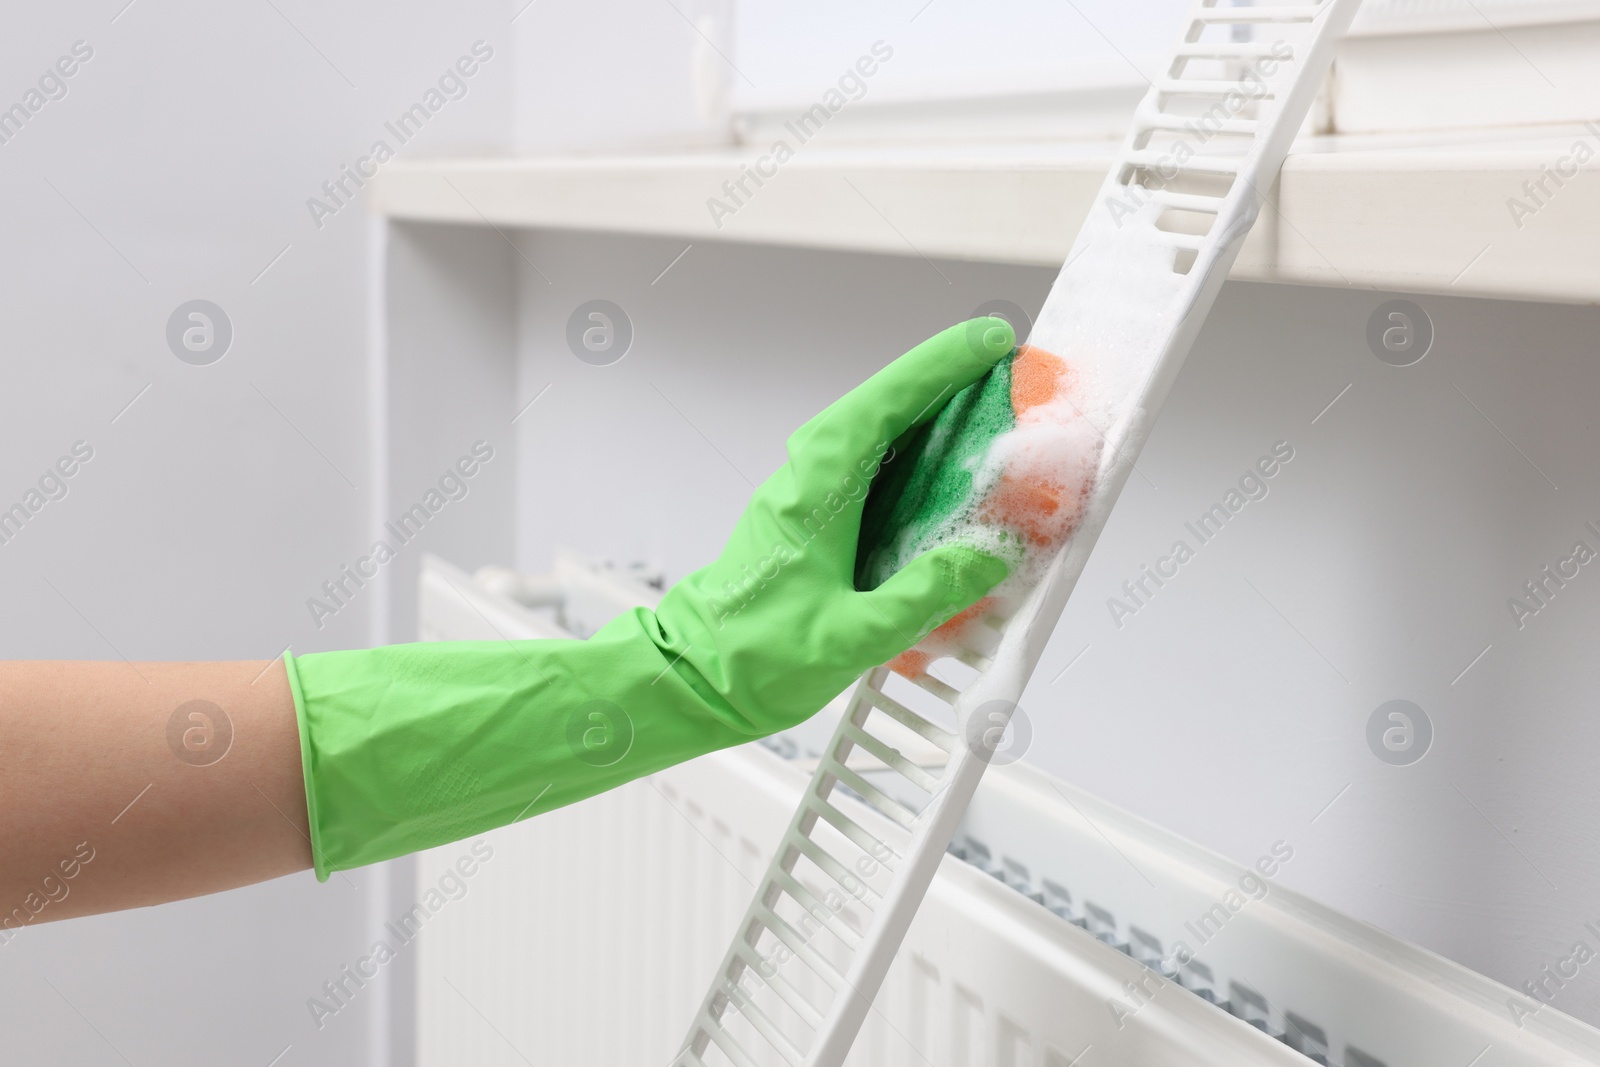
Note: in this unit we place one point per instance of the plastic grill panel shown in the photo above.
(1210, 134)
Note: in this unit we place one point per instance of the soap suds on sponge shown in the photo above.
(1006, 467)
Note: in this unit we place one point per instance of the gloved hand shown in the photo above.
(411, 746)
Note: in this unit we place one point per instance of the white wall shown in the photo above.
(1384, 554)
(178, 166)
(635, 74)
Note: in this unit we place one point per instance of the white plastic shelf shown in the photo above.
(1385, 212)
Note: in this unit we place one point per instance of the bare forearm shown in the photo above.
(125, 785)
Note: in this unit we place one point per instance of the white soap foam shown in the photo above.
(1119, 301)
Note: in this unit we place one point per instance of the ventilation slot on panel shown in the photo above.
(1243, 1001)
(1198, 129)
(806, 924)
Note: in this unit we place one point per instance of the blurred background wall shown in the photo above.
(1233, 702)
(176, 167)
(1233, 706)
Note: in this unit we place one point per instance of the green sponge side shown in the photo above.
(919, 495)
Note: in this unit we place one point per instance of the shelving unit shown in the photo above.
(1409, 213)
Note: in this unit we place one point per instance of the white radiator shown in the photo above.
(584, 937)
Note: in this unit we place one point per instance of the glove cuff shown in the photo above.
(410, 746)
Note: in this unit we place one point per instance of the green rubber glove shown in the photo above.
(411, 746)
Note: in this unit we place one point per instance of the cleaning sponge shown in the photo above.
(920, 496)
(1005, 467)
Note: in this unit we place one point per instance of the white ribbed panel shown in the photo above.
(584, 938)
